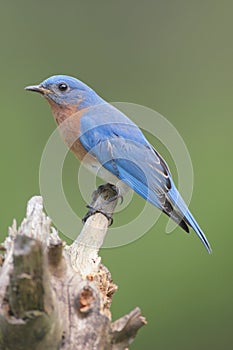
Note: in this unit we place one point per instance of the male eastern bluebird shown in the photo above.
(99, 134)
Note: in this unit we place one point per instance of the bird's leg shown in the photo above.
(115, 193)
(101, 198)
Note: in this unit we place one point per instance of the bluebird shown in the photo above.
(101, 135)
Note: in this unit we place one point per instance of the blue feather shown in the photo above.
(179, 203)
(120, 146)
(122, 149)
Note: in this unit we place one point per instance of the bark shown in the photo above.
(55, 296)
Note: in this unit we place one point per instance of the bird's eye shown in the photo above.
(63, 87)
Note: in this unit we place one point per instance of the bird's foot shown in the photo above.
(113, 193)
(101, 199)
(93, 211)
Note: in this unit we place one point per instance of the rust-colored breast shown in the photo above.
(68, 121)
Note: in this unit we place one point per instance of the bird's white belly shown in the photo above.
(95, 167)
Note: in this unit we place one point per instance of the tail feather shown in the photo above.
(192, 222)
(185, 217)
(176, 216)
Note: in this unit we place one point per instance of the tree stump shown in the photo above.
(55, 296)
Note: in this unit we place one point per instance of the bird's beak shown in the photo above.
(38, 88)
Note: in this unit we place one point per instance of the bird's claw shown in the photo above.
(114, 198)
(107, 194)
(114, 193)
(93, 211)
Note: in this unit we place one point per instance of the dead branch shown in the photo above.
(55, 296)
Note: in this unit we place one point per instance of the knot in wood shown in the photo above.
(85, 300)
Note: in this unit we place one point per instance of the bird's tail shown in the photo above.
(192, 222)
(181, 210)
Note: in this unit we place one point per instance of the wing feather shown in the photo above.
(122, 149)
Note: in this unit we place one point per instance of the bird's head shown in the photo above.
(66, 91)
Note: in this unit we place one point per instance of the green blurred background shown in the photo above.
(175, 57)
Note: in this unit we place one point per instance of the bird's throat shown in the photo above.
(68, 120)
(62, 112)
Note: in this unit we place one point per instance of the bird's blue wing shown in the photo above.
(121, 148)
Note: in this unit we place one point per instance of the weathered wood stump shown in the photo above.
(55, 296)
